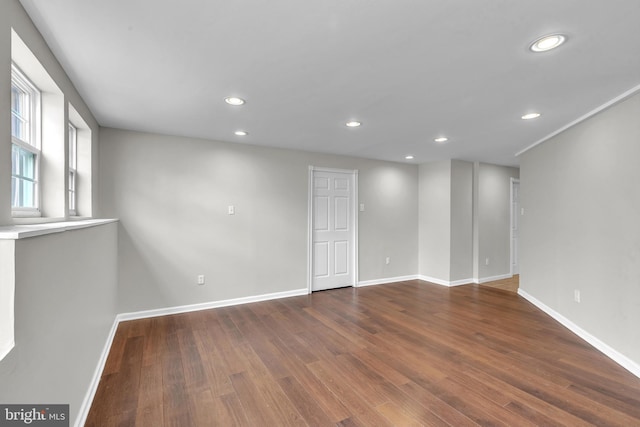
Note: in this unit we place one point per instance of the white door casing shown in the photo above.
(515, 224)
(333, 228)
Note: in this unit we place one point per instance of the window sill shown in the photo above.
(26, 213)
(16, 232)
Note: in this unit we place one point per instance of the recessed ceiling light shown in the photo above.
(546, 43)
(241, 133)
(232, 100)
(441, 139)
(353, 124)
(530, 116)
(409, 157)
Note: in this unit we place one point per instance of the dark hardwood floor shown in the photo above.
(410, 353)
(511, 284)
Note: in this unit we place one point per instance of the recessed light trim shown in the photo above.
(530, 116)
(548, 42)
(353, 124)
(409, 157)
(241, 133)
(441, 139)
(233, 100)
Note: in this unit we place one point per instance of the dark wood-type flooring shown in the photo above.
(511, 284)
(410, 353)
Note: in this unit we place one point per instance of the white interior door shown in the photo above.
(332, 229)
(515, 223)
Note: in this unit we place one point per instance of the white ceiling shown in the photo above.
(409, 70)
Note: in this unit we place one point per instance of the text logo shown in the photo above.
(34, 415)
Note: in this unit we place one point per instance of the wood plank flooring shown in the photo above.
(405, 354)
(511, 284)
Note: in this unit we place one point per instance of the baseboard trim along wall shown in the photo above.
(387, 280)
(493, 278)
(93, 386)
(208, 305)
(611, 353)
(434, 280)
(446, 282)
(619, 358)
(123, 317)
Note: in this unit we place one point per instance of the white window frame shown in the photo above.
(21, 81)
(73, 169)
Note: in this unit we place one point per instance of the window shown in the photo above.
(25, 147)
(51, 146)
(73, 165)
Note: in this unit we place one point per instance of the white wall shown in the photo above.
(171, 196)
(494, 220)
(7, 291)
(461, 220)
(580, 229)
(435, 220)
(464, 219)
(65, 305)
(65, 284)
(6, 13)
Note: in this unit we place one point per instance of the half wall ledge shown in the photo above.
(16, 232)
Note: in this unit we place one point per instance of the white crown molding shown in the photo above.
(579, 120)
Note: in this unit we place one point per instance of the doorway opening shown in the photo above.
(515, 225)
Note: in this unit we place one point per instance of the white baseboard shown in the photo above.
(610, 352)
(208, 305)
(447, 283)
(464, 281)
(461, 282)
(493, 278)
(93, 387)
(387, 280)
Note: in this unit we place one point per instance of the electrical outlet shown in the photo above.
(576, 295)
(201, 279)
(231, 209)
(361, 207)
(387, 260)
(486, 261)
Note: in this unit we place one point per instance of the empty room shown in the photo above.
(319, 213)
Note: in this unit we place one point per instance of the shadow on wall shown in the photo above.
(137, 279)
